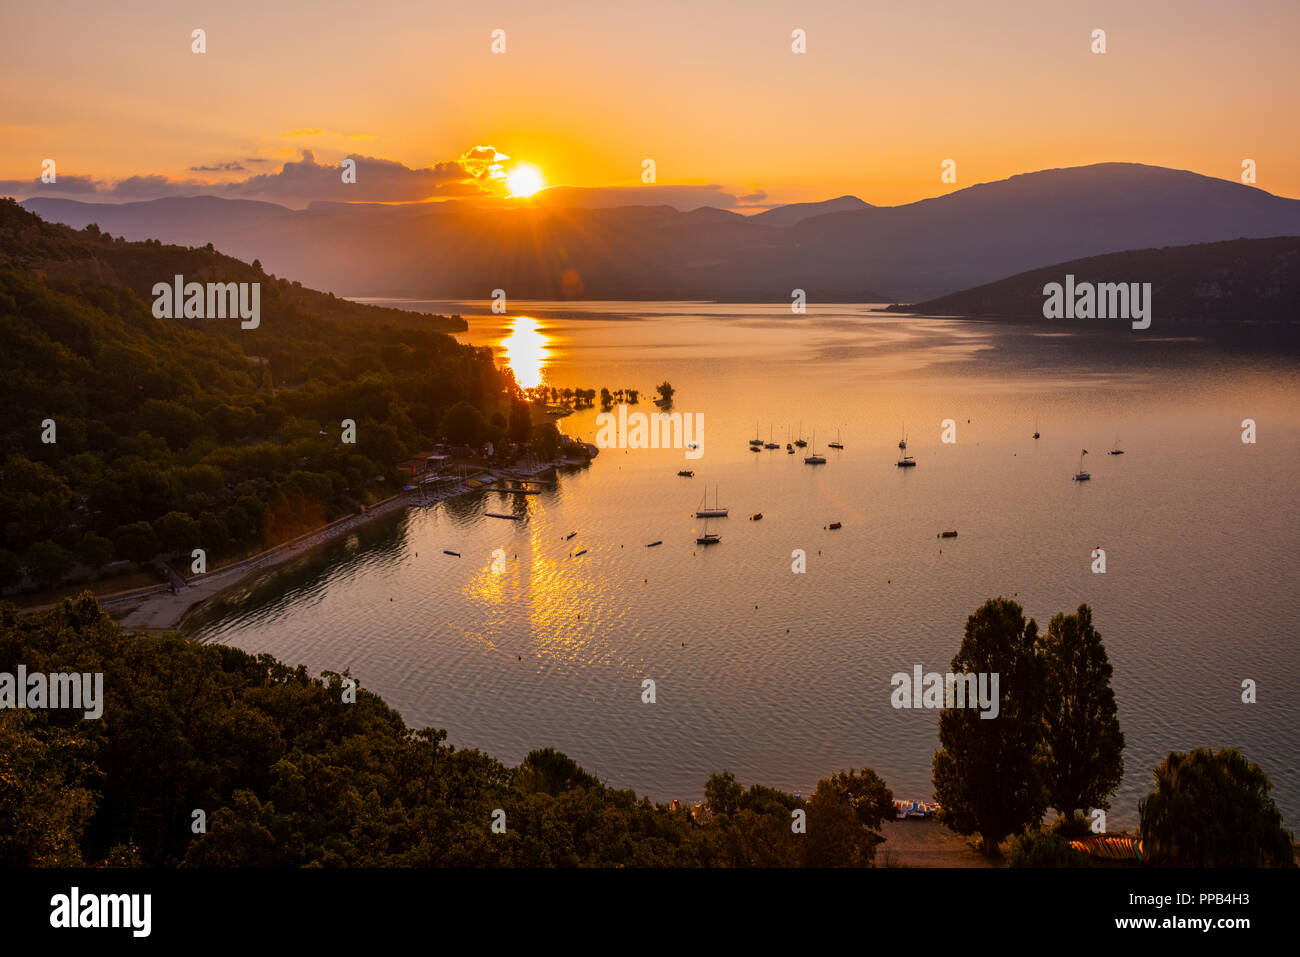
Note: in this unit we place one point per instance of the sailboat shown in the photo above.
(1117, 450)
(1035, 427)
(799, 441)
(705, 511)
(906, 462)
(902, 443)
(769, 444)
(836, 444)
(1081, 475)
(813, 458)
(707, 537)
(755, 441)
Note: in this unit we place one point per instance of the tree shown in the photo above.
(844, 819)
(95, 550)
(665, 391)
(1213, 809)
(606, 400)
(49, 562)
(521, 421)
(546, 441)
(136, 542)
(722, 793)
(988, 772)
(462, 424)
(177, 532)
(11, 570)
(1085, 749)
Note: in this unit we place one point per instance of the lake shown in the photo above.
(784, 678)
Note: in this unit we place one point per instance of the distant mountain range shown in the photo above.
(840, 250)
(1241, 280)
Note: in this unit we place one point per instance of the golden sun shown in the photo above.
(524, 180)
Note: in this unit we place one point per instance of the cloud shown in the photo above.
(476, 173)
(71, 185)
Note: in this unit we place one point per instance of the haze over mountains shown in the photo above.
(840, 250)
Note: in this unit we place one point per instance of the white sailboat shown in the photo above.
(1081, 475)
(716, 511)
(813, 458)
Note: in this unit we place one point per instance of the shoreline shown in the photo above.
(158, 609)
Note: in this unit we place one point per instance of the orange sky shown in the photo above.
(710, 90)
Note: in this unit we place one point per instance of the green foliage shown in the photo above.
(988, 774)
(48, 562)
(1084, 763)
(136, 542)
(1213, 809)
(292, 776)
(1044, 849)
(159, 416)
(95, 550)
(546, 440)
(462, 425)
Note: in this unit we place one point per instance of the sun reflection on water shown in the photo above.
(526, 352)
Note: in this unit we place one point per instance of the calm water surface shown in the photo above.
(783, 678)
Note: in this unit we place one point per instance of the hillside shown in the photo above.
(840, 250)
(1241, 280)
(169, 433)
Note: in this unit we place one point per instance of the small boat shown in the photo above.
(686, 473)
(836, 444)
(716, 511)
(446, 551)
(789, 451)
(906, 462)
(569, 536)
(706, 537)
(756, 448)
(813, 458)
(947, 534)
(653, 544)
(769, 444)
(756, 441)
(1117, 450)
(902, 443)
(835, 525)
(1035, 428)
(799, 441)
(1081, 475)
(513, 518)
(757, 516)
(576, 554)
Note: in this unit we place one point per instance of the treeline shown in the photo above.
(1056, 743)
(288, 773)
(125, 435)
(207, 756)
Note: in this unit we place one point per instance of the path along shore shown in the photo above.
(158, 608)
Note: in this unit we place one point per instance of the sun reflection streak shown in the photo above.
(526, 352)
